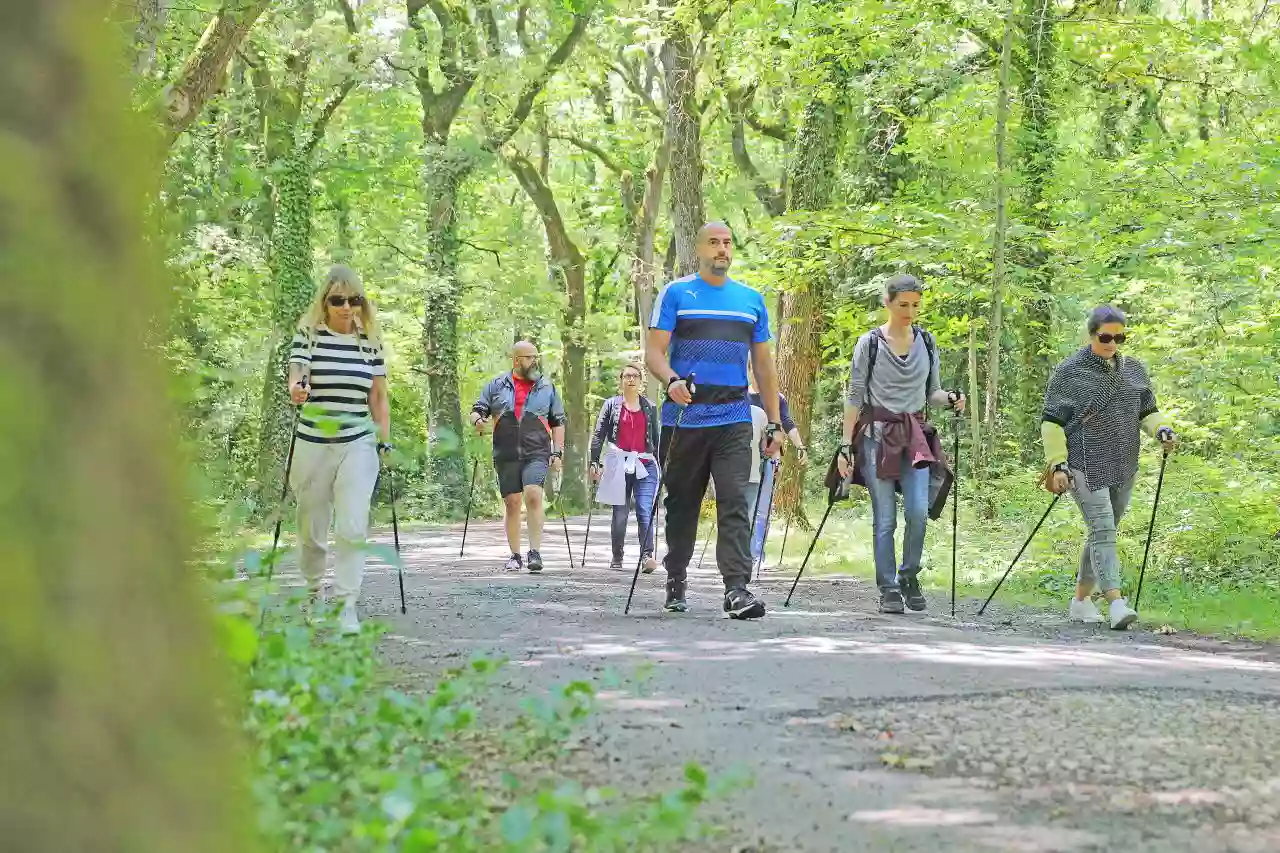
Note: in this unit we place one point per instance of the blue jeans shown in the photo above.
(642, 493)
(884, 514)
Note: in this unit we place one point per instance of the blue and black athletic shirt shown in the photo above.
(712, 329)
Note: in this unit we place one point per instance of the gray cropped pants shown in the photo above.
(1102, 510)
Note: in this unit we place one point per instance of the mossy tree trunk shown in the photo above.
(113, 701)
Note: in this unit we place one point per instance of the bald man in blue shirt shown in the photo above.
(711, 327)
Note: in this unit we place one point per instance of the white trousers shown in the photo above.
(334, 483)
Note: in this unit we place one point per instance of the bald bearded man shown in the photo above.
(528, 440)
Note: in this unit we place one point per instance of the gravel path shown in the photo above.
(1010, 732)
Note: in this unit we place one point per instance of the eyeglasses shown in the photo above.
(338, 301)
(634, 377)
(1106, 339)
(527, 358)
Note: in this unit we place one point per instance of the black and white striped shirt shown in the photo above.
(341, 369)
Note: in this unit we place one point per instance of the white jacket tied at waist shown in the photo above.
(617, 465)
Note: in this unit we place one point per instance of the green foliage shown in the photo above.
(347, 760)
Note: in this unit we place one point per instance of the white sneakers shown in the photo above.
(1084, 611)
(348, 620)
(1122, 615)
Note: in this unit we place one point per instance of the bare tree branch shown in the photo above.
(578, 142)
(493, 40)
(348, 15)
(775, 131)
(326, 112)
(535, 86)
(202, 73)
(632, 80)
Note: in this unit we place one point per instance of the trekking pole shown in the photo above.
(1150, 528)
(705, 543)
(395, 531)
(1052, 504)
(284, 488)
(591, 508)
(657, 495)
(471, 491)
(758, 565)
(955, 509)
(832, 496)
(786, 531)
(559, 483)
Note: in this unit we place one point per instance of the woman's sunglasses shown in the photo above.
(338, 301)
(1106, 339)
(634, 377)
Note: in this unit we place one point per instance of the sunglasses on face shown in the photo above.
(338, 301)
(1106, 339)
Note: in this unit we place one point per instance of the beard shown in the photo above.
(529, 373)
(720, 266)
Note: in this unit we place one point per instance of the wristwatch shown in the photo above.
(385, 447)
(1061, 467)
(674, 379)
(557, 454)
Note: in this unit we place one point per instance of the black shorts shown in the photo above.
(513, 476)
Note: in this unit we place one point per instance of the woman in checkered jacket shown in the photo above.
(1097, 403)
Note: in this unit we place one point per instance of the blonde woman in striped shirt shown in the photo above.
(336, 367)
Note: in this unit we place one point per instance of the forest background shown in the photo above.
(504, 170)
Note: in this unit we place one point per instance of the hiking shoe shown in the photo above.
(1084, 611)
(739, 603)
(535, 562)
(891, 601)
(675, 598)
(1122, 615)
(349, 620)
(649, 563)
(615, 563)
(910, 586)
(314, 604)
(514, 563)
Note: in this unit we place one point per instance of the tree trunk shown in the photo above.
(995, 322)
(201, 75)
(803, 319)
(116, 709)
(293, 287)
(683, 135)
(568, 264)
(445, 172)
(1036, 155)
(644, 264)
(146, 34)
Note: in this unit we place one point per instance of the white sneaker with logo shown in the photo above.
(1122, 615)
(349, 620)
(1084, 611)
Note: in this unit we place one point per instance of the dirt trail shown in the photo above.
(1015, 732)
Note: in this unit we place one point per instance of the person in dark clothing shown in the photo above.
(628, 426)
(894, 375)
(707, 326)
(528, 439)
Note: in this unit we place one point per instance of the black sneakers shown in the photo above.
(910, 585)
(616, 562)
(739, 603)
(891, 601)
(675, 597)
(514, 563)
(535, 561)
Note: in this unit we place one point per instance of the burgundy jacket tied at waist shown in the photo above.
(910, 432)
